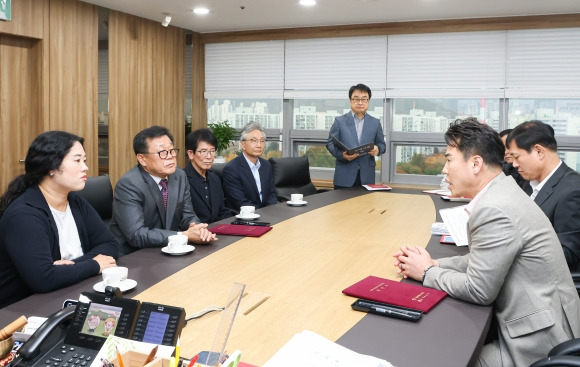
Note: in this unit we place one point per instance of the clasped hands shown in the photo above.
(198, 233)
(411, 262)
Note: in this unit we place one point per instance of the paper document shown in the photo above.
(455, 220)
(439, 229)
(308, 349)
(437, 192)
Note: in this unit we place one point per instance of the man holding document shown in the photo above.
(515, 260)
(356, 167)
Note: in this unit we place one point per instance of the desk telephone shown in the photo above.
(73, 336)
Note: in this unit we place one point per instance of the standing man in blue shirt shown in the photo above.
(353, 129)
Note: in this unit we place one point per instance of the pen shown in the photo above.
(177, 350)
(151, 355)
(193, 360)
(260, 224)
(119, 358)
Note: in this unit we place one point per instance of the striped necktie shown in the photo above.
(164, 192)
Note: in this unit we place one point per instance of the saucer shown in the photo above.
(249, 217)
(297, 203)
(182, 250)
(126, 285)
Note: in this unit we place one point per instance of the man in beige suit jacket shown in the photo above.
(515, 262)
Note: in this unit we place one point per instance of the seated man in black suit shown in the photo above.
(553, 185)
(248, 178)
(507, 166)
(207, 196)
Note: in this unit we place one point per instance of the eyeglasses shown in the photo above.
(205, 152)
(163, 154)
(360, 100)
(256, 141)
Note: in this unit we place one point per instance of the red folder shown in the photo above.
(395, 293)
(240, 230)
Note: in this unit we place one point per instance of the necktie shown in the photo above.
(164, 192)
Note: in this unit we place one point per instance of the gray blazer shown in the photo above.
(345, 131)
(515, 262)
(559, 199)
(139, 219)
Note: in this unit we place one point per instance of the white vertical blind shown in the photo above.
(336, 63)
(103, 70)
(244, 67)
(465, 60)
(543, 63)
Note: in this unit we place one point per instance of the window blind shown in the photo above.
(335, 64)
(243, 67)
(543, 63)
(464, 60)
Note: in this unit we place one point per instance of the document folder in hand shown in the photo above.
(362, 149)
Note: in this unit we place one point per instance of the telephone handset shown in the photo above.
(73, 336)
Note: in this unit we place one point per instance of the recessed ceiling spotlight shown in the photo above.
(307, 2)
(201, 11)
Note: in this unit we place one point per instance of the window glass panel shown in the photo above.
(562, 114)
(572, 159)
(435, 115)
(419, 160)
(318, 155)
(319, 114)
(240, 111)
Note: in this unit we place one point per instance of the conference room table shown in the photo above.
(294, 276)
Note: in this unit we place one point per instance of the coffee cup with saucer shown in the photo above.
(296, 200)
(115, 276)
(177, 245)
(247, 212)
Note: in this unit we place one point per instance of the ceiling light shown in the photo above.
(307, 2)
(201, 11)
(166, 20)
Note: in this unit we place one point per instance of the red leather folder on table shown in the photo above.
(240, 230)
(395, 293)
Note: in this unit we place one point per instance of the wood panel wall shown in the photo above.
(73, 72)
(29, 18)
(20, 100)
(146, 85)
(198, 105)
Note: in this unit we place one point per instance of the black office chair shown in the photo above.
(291, 176)
(576, 279)
(98, 192)
(563, 354)
(218, 169)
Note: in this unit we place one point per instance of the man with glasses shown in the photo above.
(207, 196)
(354, 129)
(152, 200)
(248, 178)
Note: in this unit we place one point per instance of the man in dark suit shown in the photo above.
(507, 166)
(248, 178)
(354, 129)
(553, 185)
(207, 195)
(152, 200)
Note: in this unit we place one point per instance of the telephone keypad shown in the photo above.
(68, 356)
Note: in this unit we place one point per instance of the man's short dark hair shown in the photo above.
(140, 140)
(471, 137)
(530, 133)
(504, 132)
(201, 135)
(361, 87)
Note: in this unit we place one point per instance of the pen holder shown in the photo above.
(6, 346)
(136, 359)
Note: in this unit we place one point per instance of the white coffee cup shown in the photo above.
(296, 198)
(176, 241)
(247, 210)
(114, 276)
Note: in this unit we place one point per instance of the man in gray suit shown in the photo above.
(354, 129)
(515, 260)
(152, 200)
(552, 185)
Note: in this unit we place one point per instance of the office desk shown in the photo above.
(304, 274)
